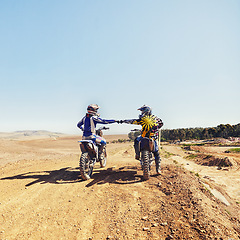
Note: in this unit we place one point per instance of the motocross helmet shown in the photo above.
(146, 110)
(92, 109)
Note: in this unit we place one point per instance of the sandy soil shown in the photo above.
(226, 178)
(43, 197)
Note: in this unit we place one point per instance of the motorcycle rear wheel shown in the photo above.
(145, 164)
(84, 165)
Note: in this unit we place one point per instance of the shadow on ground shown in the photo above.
(60, 176)
(123, 175)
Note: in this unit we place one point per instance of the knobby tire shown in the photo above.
(84, 166)
(145, 165)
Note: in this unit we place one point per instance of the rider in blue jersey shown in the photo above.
(88, 125)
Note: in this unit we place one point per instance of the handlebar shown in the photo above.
(134, 130)
(103, 128)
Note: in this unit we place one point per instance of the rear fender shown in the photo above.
(88, 147)
(147, 145)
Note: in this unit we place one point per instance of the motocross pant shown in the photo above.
(155, 153)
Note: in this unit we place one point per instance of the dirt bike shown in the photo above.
(90, 155)
(146, 148)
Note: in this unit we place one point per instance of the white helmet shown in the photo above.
(92, 109)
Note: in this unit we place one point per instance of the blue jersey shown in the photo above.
(89, 123)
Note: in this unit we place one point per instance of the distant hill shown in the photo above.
(28, 134)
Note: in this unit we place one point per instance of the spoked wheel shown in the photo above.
(103, 161)
(86, 168)
(145, 165)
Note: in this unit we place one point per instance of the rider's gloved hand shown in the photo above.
(119, 121)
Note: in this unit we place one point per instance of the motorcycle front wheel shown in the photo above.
(145, 164)
(86, 169)
(103, 161)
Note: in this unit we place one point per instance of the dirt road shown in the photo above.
(43, 197)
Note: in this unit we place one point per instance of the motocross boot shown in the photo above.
(157, 162)
(101, 152)
(91, 163)
(136, 147)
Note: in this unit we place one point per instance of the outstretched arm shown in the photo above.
(132, 121)
(104, 121)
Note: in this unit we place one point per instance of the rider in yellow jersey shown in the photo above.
(150, 126)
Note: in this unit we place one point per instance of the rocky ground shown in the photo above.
(43, 197)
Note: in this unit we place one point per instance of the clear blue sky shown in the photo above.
(180, 57)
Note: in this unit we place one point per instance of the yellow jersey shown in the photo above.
(150, 125)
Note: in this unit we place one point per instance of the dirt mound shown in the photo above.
(210, 160)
